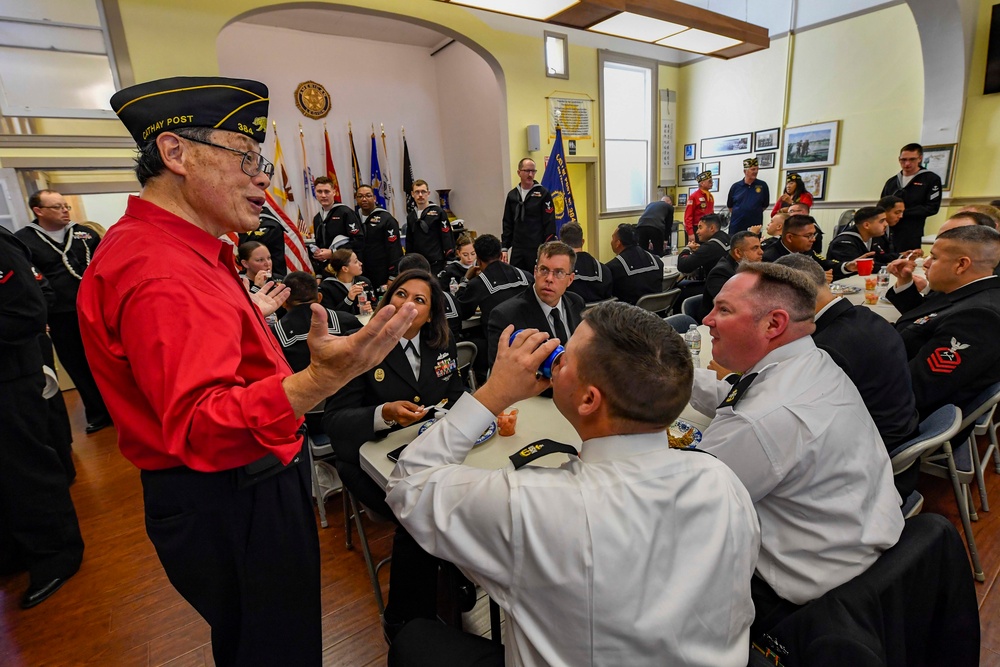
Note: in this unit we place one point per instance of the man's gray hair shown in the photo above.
(781, 288)
(807, 265)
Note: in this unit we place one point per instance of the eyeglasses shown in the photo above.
(545, 271)
(253, 162)
(59, 207)
(811, 237)
(529, 171)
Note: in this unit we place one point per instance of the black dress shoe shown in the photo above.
(38, 594)
(98, 424)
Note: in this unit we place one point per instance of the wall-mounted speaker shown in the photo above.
(534, 138)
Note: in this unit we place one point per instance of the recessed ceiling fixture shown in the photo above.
(665, 22)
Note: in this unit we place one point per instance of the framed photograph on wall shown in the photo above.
(682, 199)
(733, 144)
(765, 160)
(811, 145)
(713, 167)
(715, 185)
(688, 173)
(689, 152)
(814, 180)
(940, 160)
(766, 140)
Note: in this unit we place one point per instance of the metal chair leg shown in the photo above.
(345, 495)
(964, 505)
(369, 563)
(977, 467)
(495, 635)
(316, 491)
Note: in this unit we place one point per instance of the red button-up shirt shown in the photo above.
(184, 360)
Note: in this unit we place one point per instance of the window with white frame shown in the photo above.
(627, 86)
(55, 60)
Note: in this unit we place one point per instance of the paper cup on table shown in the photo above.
(871, 282)
(871, 297)
(507, 421)
(865, 266)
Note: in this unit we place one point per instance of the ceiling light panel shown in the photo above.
(698, 41)
(532, 9)
(636, 26)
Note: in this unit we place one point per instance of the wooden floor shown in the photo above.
(120, 609)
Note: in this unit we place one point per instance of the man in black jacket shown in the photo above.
(859, 238)
(950, 334)
(428, 231)
(62, 251)
(743, 247)
(591, 280)
(920, 191)
(695, 261)
(798, 235)
(39, 531)
(383, 247)
(655, 225)
(634, 272)
(529, 218)
(546, 306)
(336, 225)
(494, 283)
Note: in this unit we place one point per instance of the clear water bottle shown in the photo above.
(883, 282)
(453, 286)
(693, 340)
(364, 307)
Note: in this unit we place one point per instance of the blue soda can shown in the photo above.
(546, 368)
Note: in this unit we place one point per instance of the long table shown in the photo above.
(537, 418)
(883, 308)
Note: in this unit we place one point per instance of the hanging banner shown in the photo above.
(668, 170)
(572, 115)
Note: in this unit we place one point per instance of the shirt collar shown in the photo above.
(186, 232)
(609, 447)
(785, 352)
(416, 342)
(546, 308)
(826, 308)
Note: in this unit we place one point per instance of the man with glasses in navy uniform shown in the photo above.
(205, 403)
(62, 250)
(546, 305)
(529, 218)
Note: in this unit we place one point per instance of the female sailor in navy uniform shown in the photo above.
(341, 291)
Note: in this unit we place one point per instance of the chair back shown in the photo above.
(660, 302)
(844, 221)
(980, 405)
(691, 306)
(938, 428)
(594, 303)
(467, 352)
(680, 322)
(670, 281)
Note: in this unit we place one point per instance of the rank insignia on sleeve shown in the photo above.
(925, 320)
(5, 276)
(392, 238)
(944, 360)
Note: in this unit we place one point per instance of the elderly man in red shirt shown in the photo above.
(205, 404)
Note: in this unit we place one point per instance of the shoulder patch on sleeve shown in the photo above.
(537, 450)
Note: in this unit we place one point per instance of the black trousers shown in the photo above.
(769, 607)
(523, 259)
(38, 525)
(413, 572)
(64, 328)
(246, 559)
(651, 236)
(60, 430)
(425, 643)
(906, 235)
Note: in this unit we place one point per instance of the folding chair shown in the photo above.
(467, 352)
(939, 427)
(325, 480)
(982, 406)
(956, 464)
(356, 510)
(660, 302)
(691, 307)
(594, 303)
(670, 281)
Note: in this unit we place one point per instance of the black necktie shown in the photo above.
(561, 332)
(410, 347)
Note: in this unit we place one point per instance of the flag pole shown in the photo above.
(389, 193)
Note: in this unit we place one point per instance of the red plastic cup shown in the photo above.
(865, 266)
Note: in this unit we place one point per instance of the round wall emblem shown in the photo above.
(312, 100)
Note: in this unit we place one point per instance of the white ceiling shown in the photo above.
(775, 15)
